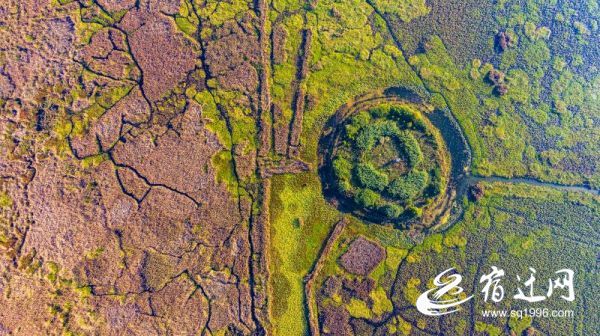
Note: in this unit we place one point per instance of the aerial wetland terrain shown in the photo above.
(299, 167)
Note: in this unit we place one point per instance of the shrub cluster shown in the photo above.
(370, 177)
(408, 186)
(386, 190)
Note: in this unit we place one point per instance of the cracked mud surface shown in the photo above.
(120, 224)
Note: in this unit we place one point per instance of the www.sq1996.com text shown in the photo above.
(531, 312)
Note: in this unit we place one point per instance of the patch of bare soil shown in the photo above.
(362, 257)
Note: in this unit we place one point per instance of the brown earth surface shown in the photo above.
(362, 257)
(117, 222)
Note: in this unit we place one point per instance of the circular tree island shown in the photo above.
(387, 163)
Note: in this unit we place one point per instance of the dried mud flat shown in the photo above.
(114, 218)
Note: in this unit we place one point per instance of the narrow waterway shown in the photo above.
(461, 159)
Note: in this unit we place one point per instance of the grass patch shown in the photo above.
(295, 199)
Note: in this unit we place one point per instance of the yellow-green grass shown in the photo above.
(339, 72)
(300, 221)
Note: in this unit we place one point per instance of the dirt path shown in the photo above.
(313, 316)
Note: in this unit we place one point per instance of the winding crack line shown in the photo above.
(152, 184)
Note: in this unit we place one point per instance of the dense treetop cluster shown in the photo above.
(387, 163)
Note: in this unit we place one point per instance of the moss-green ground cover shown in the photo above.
(338, 73)
(300, 221)
(544, 127)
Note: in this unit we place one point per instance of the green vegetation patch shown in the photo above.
(379, 167)
(300, 221)
(5, 200)
(406, 10)
(514, 227)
